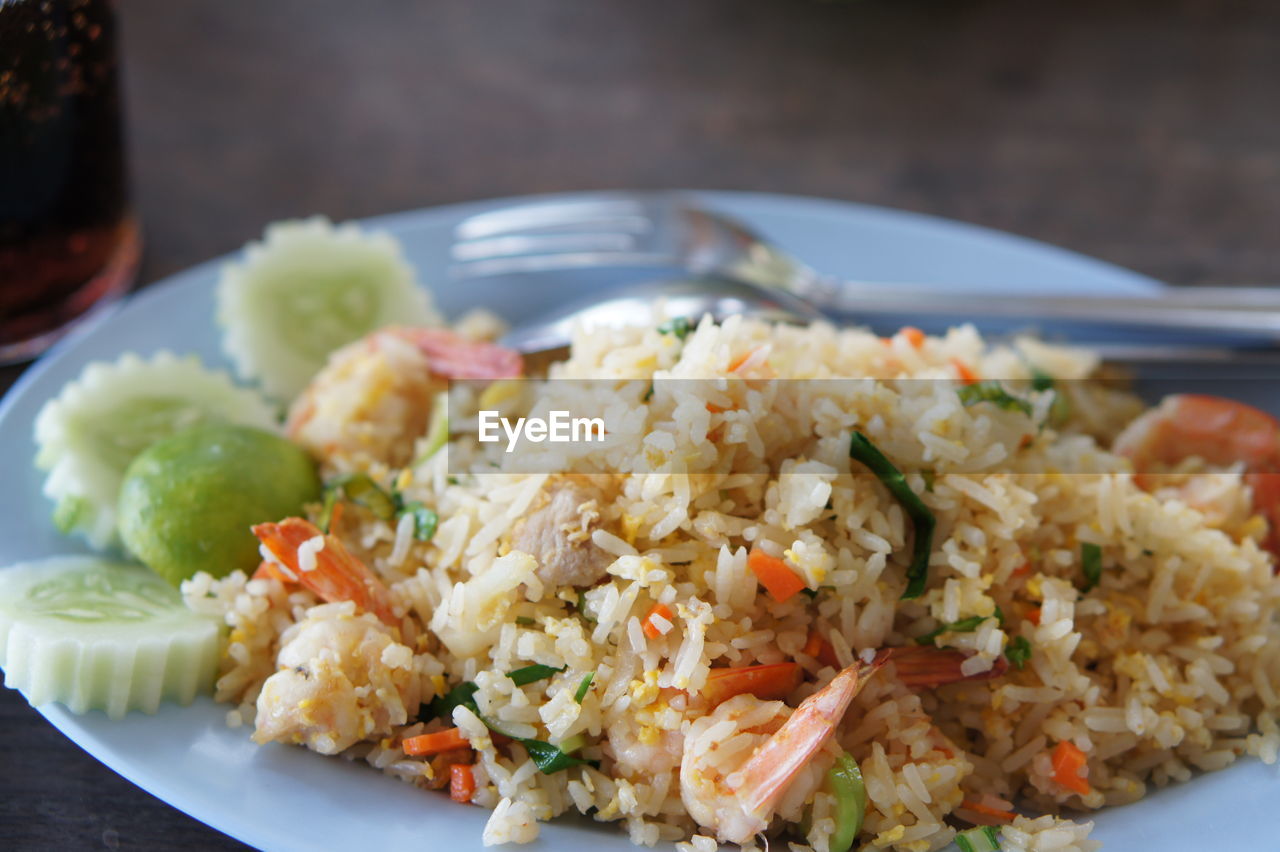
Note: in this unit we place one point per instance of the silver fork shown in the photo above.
(662, 229)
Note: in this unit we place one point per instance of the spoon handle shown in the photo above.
(1251, 314)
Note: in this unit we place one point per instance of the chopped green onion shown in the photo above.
(425, 521)
(530, 674)
(1060, 409)
(844, 781)
(964, 625)
(442, 706)
(584, 687)
(980, 839)
(573, 743)
(862, 450)
(929, 477)
(991, 391)
(525, 621)
(438, 430)
(648, 395)
(359, 488)
(679, 326)
(550, 759)
(1018, 651)
(1091, 560)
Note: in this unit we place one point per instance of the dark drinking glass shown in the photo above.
(68, 240)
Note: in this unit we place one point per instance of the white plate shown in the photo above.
(282, 798)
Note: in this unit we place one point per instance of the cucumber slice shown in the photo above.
(307, 289)
(98, 635)
(88, 435)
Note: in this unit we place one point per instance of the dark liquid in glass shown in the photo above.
(67, 238)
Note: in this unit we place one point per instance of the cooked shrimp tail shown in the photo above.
(772, 751)
(922, 667)
(770, 770)
(329, 569)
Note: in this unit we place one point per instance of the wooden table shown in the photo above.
(1146, 133)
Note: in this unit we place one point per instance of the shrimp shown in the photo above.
(1221, 432)
(374, 397)
(295, 550)
(749, 759)
(736, 796)
(342, 678)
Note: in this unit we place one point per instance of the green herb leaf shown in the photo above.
(679, 326)
(1040, 380)
(1091, 560)
(991, 391)
(922, 519)
(964, 625)
(529, 674)
(584, 687)
(550, 759)
(464, 693)
(1018, 651)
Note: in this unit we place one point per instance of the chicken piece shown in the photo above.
(342, 678)
(558, 536)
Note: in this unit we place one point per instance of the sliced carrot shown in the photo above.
(770, 681)
(462, 783)
(662, 611)
(995, 816)
(821, 650)
(1067, 762)
(1022, 570)
(913, 335)
(715, 409)
(779, 581)
(424, 744)
(964, 371)
(1033, 615)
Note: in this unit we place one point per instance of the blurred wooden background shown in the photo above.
(1145, 132)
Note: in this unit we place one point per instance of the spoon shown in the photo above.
(545, 339)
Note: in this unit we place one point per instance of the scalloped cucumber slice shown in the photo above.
(95, 427)
(308, 288)
(99, 635)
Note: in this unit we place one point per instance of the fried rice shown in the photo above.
(1165, 667)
